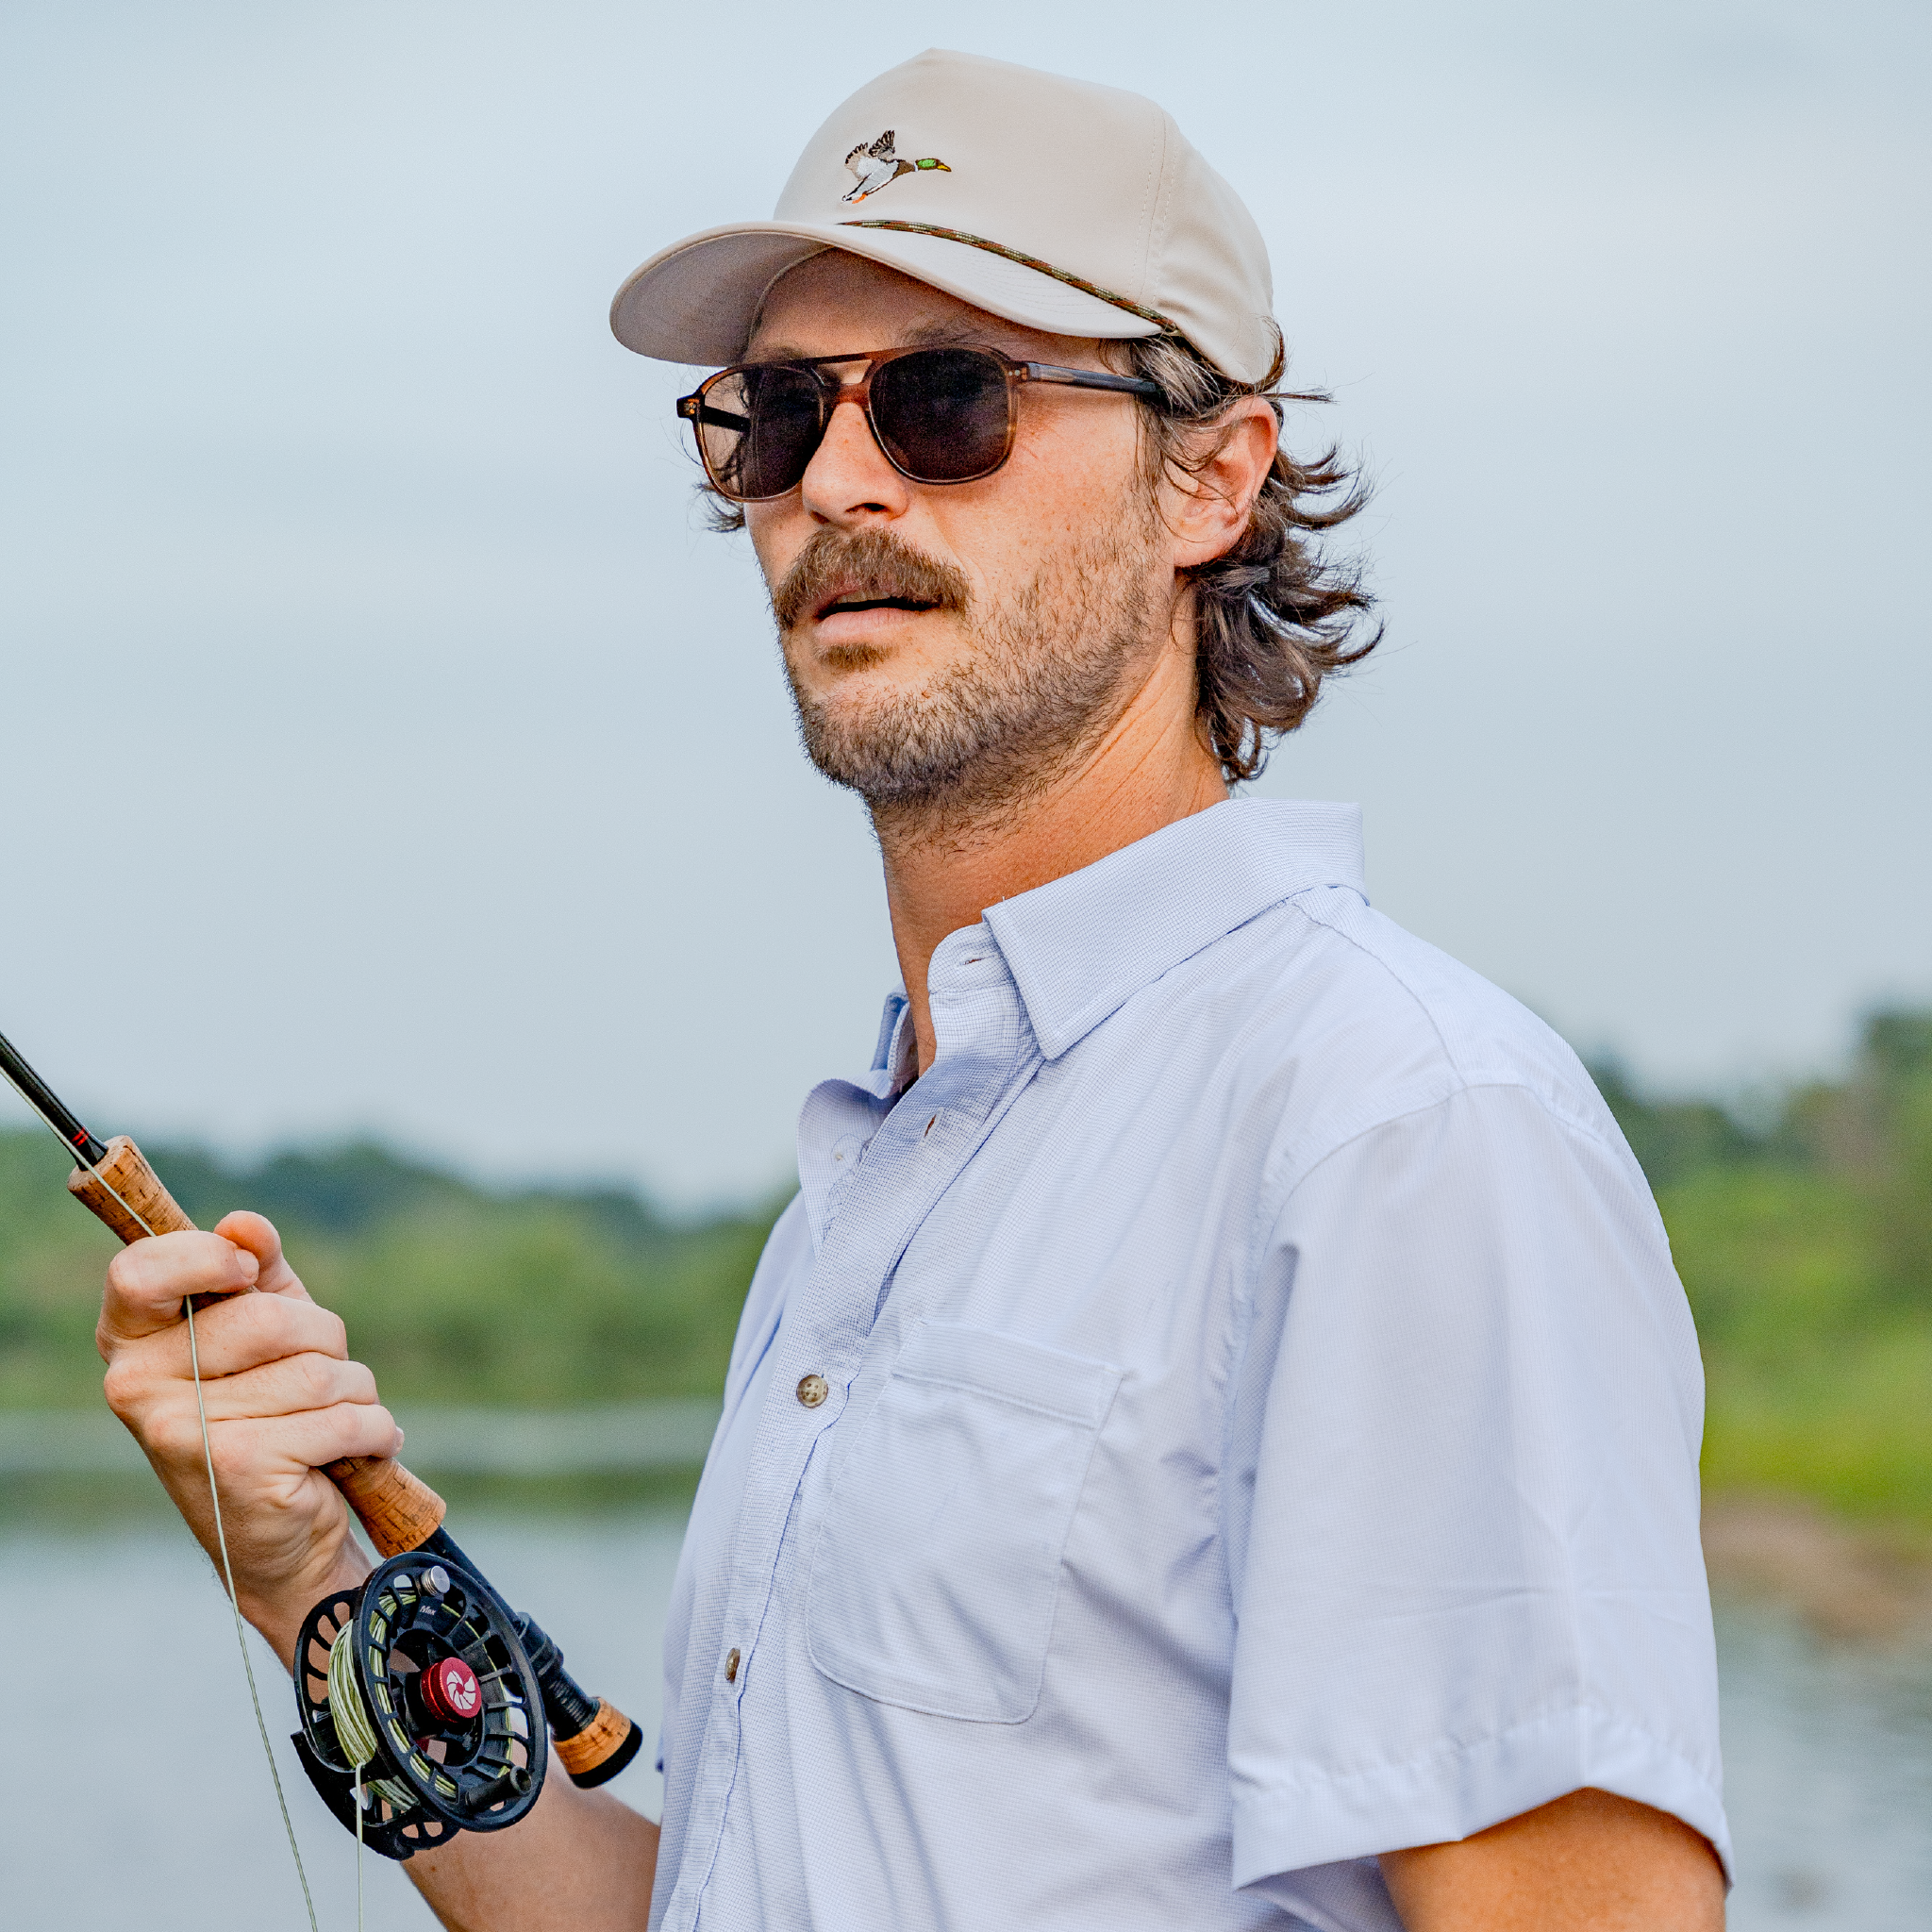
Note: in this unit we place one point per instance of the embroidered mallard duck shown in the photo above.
(873, 166)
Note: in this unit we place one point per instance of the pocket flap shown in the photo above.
(1074, 1387)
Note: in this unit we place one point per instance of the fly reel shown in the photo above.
(420, 1682)
(427, 1705)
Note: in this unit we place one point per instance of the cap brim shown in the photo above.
(695, 301)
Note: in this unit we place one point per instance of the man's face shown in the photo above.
(955, 647)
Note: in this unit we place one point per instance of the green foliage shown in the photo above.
(536, 1298)
(1672, 1138)
(1804, 1244)
(1806, 1249)
(51, 1257)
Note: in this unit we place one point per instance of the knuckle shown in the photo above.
(123, 1385)
(229, 1449)
(257, 1322)
(174, 1436)
(373, 1427)
(246, 1314)
(124, 1273)
(314, 1383)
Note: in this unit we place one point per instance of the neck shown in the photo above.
(944, 864)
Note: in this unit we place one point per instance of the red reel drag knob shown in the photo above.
(450, 1690)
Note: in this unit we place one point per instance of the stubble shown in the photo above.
(1048, 669)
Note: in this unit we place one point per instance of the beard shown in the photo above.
(1047, 669)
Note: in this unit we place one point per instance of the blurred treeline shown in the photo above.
(1804, 1237)
(1804, 1241)
(534, 1298)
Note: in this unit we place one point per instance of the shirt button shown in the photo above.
(813, 1390)
(731, 1667)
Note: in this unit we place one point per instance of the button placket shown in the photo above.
(880, 1208)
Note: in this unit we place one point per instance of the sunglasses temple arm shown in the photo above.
(1089, 378)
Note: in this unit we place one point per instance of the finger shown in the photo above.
(291, 1386)
(231, 1338)
(259, 1455)
(257, 1234)
(149, 1281)
(234, 1336)
(311, 1439)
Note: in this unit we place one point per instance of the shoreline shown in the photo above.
(1849, 1580)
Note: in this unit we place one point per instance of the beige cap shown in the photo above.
(1075, 208)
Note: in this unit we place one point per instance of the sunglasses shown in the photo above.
(939, 415)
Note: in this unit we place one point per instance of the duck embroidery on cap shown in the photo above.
(872, 167)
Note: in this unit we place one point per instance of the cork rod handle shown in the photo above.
(399, 1510)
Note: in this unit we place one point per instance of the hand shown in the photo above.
(282, 1399)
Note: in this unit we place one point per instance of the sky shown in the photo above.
(385, 745)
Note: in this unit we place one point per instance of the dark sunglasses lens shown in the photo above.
(941, 413)
(759, 428)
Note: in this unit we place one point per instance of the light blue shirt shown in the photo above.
(1232, 1416)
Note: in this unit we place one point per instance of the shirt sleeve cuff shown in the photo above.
(1324, 1818)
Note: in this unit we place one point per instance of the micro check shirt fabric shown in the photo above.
(1232, 1416)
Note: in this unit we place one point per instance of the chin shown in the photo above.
(862, 677)
(864, 706)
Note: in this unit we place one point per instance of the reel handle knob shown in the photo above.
(399, 1510)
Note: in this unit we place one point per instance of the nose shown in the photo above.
(849, 483)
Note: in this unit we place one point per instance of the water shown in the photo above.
(1828, 1778)
(132, 1790)
(132, 1787)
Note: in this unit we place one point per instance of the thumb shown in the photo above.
(257, 1235)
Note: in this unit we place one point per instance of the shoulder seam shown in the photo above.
(1268, 1206)
(1465, 1079)
(1273, 1201)
(1348, 938)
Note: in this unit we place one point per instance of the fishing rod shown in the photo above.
(429, 1706)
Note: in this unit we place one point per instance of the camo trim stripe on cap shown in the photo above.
(1032, 262)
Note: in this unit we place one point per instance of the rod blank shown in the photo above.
(44, 1102)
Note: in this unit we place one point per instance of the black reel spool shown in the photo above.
(441, 1684)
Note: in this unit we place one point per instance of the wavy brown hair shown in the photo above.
(1274, 615)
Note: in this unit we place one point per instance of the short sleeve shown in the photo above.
(1463, 1515)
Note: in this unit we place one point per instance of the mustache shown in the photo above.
(867, 566)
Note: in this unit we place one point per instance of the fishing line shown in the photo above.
(500, 1740)
(207, 1457)
(355, 1732)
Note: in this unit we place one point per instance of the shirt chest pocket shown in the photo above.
(939, 1559)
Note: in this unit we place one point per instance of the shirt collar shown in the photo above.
(1081, 946)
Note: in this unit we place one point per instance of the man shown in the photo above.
(1213, 1442)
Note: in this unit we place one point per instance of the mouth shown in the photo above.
(848, 598)
(844, 587)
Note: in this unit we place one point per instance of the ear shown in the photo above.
(1206, 511)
